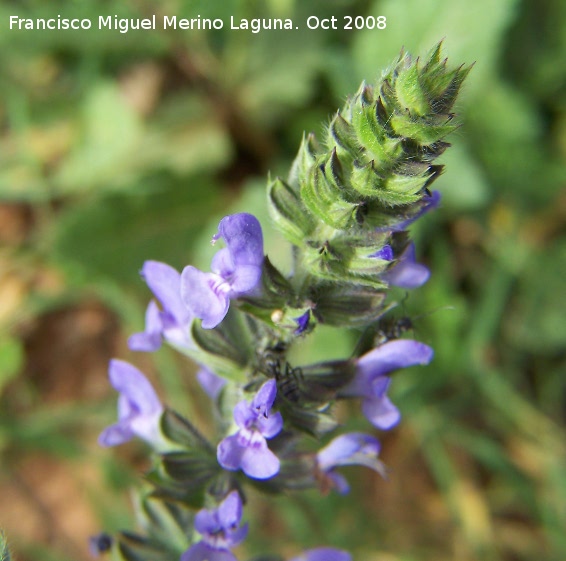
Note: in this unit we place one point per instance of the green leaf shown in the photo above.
(536, 323)
(114, 235)
(473, 32)
(462, 168)
(110, 139)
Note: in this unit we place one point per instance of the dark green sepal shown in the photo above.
(447, 98)
(305, 159)
(366, 179)
(311, 420)
(341, 137)
(386, 218)
(295, 474)
(177, 429)
(323, 194)
(288, 211)
(190, 467)
(424, 154)
(442, 85)
(410, 91)
(341, 260)
(185, 477)
(423, 130)
(276, 291)
(165, 488)
(403, 186)
(191, 475)
(409, 181)
(221, 348)
(166, 522)
(133, 547)
(380, 147)
(347, 305)
(319, 383)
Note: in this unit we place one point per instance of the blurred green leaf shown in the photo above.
(473, 32)
(116, 150)
(110, 140)
(114, 235)
(537, 323)
(463, 185)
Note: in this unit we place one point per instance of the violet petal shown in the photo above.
(407, 273)
(229, 452)
(348, 449)
(259, 462)
(243, 237)
(210, 382)
(132, 384)
(205, 295)
(270, 426)
(201, 551)
(230, 510)
(265, 397)
(165, 283)
(115, 435)
(323, 554)
(391, 356)
(148, 340)
(381, 412)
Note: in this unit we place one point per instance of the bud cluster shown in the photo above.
(345, 208)
(348, 197)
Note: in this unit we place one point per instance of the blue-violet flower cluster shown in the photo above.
(345, 208)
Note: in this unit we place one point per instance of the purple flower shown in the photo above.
(354, 448)
(323, 554)
(407, 273)
(220, 529)
(236, 270)
(139, 408)
(210, 382)
(371, 380)
(247, 449)
(173, 321)
(385, 253)
(302, 322)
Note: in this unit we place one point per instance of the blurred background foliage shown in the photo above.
(117, 148)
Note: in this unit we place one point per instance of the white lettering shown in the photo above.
(313, 22)
(104, 22)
